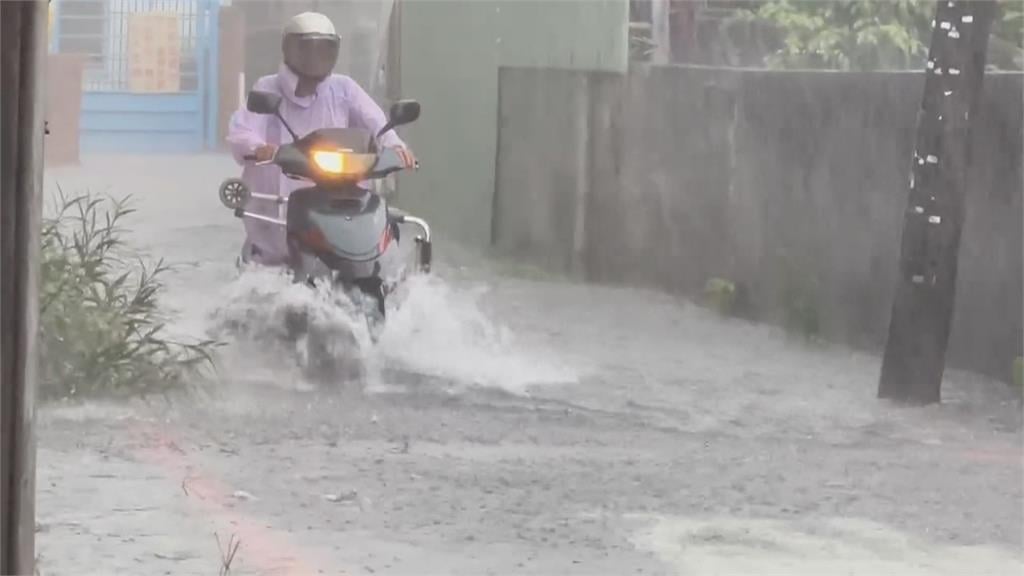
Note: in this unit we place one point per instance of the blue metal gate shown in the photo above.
(116, 119)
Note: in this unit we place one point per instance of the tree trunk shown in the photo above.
(922, 312)
(22, 74)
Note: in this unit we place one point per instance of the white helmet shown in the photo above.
(310, 45)
(310, 23)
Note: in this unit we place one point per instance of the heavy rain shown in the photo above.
(591, 287)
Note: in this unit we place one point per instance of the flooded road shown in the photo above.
(515, 426)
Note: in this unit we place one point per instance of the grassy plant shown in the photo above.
(101, 328)
(720, 294)
(802, 316)
(227, 555)
(799, 300)
(728, 298)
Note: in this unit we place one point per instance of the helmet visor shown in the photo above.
(312, 55)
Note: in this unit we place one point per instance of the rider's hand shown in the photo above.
(408, 159)
(265, 153)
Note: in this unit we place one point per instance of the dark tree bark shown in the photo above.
(922, 312)
(22, 74)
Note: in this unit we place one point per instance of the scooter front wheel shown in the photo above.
(331, 358)
(373, 301)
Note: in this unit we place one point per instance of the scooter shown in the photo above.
(337, 232)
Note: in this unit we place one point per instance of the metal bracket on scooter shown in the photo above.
(425, 248)
(426, 253)
(235, 194)
(253, 216)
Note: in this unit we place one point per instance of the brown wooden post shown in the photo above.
(63, 107)
(23, 36)
(922, 312)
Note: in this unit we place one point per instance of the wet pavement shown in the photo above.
(515, 426)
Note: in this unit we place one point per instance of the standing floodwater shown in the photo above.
(515, 426)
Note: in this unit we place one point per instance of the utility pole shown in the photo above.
(23, 46)
(922, 312)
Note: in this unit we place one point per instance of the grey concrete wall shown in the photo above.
(791, 183)
(450, 54)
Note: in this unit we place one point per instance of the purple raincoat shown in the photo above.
(339, 102)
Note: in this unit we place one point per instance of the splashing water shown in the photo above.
(441, 331)
(433, 330)
(262, 313)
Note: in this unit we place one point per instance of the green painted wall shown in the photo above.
(450, 54)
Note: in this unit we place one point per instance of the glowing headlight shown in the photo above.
(332, 161)
(344, 162)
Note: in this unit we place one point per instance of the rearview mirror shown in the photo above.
(260, 102)
(404, 112)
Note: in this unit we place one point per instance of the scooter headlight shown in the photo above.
(343, 162)
(331, 161)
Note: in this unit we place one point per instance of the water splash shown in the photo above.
(819, 545)
(435, 331)
(263, 310)
(441, 330)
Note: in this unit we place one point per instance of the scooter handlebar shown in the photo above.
(256, 161)
(393, 164)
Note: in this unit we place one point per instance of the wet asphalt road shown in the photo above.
(517, 426)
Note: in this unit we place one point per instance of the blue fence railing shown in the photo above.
(114, 117)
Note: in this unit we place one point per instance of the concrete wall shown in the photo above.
(792, 183)
(450, 54)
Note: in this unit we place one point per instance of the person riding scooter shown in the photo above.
(313, 98)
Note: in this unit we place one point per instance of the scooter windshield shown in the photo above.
(357, 140)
